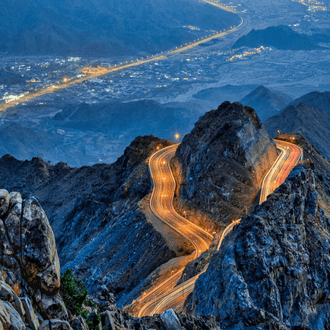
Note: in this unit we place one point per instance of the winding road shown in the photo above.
(166, 295)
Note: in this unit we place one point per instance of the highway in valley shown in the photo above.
(102, 71)
(166, 294)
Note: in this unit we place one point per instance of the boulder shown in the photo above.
(59, 325)
(4, 317)
(18, 305)
(4, 202)
(30, 315)
(78, 323)
(13, 220)
(39, 254)
(45, 325)
(6, 292)
(52, 307)
(170, 320)
(16, 322)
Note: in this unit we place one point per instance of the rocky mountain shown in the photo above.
(99, 229)
(220, 164)
(100, 27)
(320, 100)
(265, 102)
(30, 280)
(312, 123)
(271, 270)
(280, 37)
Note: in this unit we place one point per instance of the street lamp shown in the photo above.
(177, 136)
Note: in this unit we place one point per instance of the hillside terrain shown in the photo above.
(312, 123)
(265, 102)
(320, 100)
(95, 217)
(99, 28)
(220, 164)
(99, 131)
(273, 256)
(280, 37)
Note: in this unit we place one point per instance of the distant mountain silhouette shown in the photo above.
(280, 37)
(101, 27)
(312, 123)
(317, 99)
(265, 102)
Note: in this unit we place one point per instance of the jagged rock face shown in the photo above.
(272, 270)
(28, 263)
(100, 231)
(220, 164)
(28, 239)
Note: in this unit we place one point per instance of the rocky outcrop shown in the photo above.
(29, 265)
(99, 229)
(220, 164)
(272, 269)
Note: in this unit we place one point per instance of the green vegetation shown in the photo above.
(74, 294)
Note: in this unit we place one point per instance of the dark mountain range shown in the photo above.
(265, 102)
(220, 164)
(97, 131)
(23, 141)
(217, 95)
(320, 100)
(270, 271)
(281, 37)
(104, 28)
(312, 123)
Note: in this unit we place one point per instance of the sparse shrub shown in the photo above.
(74, 292)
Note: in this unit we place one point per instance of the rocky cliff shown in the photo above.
(30, 280)
(99, 229)
(29, 266)
(220, 164)
(272, 270)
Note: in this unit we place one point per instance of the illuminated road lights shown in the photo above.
(65, 80)
(177, 136)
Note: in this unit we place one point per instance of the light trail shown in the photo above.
(161, 204)
(168, 296)
(105, 71)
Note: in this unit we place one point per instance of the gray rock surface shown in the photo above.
(4, 201)
(30, 315)
(220, 164)
(39, 258)
(16, 322)
(4, 316)
(170, 320)
(271, 271)
(29, 265)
